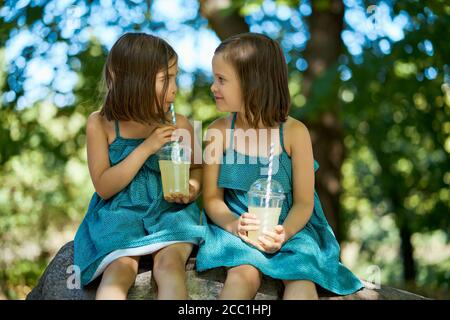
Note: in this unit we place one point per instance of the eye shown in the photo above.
(221, 80)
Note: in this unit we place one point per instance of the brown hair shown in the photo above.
(130, 75)
(261, 67)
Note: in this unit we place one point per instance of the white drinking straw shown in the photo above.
(176, 147)
(269, 173)
(172, 111)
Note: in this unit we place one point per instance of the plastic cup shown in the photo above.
(174, 164)
(265, 205)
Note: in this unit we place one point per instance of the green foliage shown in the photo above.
(396, 120)
(19, 278)
(401, 116)
(397, 138)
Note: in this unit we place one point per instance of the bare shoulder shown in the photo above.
(96, 124)
(295, 134)
(95, 120)
(95, 116)
(183, 121)
(221, 123)
(296, 126)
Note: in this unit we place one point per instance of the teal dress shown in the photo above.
(134, 222)
(311, 254)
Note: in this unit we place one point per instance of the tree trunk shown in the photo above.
(409, 269)
(224, 23)
(406, 247)
(322, 52)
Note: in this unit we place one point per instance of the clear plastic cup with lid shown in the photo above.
(174, 164)
(265, 201)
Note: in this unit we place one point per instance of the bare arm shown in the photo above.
(109, 180)
(214, 204)
(303, 180)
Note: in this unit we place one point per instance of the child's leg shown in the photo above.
(169, 271)
(299, 290)
(117, 279)
(242, 283)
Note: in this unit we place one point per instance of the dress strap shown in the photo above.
(116, 124)
(233, 122)
(282, 137)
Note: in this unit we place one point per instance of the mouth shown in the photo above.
(218, 98)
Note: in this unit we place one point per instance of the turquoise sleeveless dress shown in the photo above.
(311, 254)
(134, 222)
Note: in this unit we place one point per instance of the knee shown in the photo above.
(299, 290)
(168, 264)
(247, 275)
(122, 271)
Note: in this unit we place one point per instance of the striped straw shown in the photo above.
(172, 111)
(176, 146)
(269, 173)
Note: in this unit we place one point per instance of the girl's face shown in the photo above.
(226, 87)
(172, 88)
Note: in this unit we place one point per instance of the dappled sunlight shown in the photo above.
(383, 99)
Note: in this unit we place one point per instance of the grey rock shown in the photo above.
(58, 283)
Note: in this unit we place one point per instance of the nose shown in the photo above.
(174, 88)
(213, 87)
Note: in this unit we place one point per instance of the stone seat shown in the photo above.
(53, 284)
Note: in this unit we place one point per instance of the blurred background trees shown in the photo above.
(370, 79)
